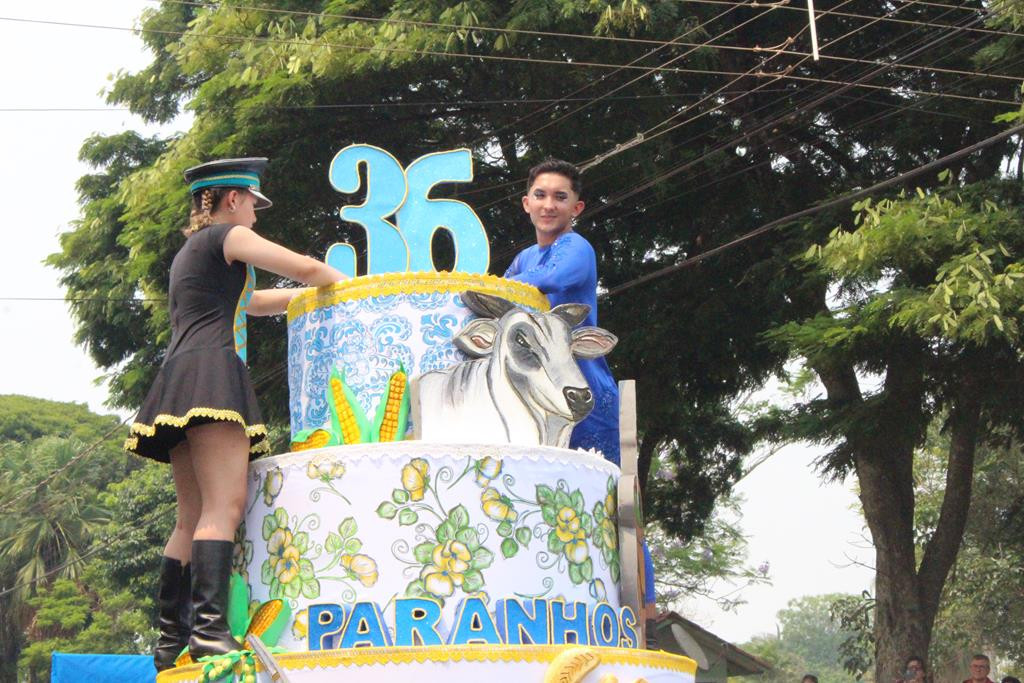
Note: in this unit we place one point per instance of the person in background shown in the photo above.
(809, 678)
(980, 666)
(1009, 679)
(913, 671)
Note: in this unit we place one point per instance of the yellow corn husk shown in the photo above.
(264, 617)
(393, 409)
(184, 659)
(392, 412)
(318, 439)
(346, 416)
(348, 421)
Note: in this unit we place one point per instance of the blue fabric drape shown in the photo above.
(75, 668)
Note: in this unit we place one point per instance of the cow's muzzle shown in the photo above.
(580, 401)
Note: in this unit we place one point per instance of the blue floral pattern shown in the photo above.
(368, 339)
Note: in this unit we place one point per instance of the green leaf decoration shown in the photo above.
(306, 569)
(292, 589)
(509, 547)
(555, 545)
(281, 515)
(562, 499)
(545, 495)
(275, 588)
(459, 516)
(472, 582)
(311, 589)
(301, 541)
(416, 589)
(445, 532)
(424, 552)
(348, 527)
(523, 535)
(576, 500)
(468, 537)
(587, 569)
(549, 515)
(238, 605)
(482, 558)
(505, 529)
(333, 543)
(400, 496)
(575, 574)
(586, 523)
(269, 527)
(614, 567)
(266, 573)
(387, 510)
(407, 517)
(353, 546)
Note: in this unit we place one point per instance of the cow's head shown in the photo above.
(537, 351)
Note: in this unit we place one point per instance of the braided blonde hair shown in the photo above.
(203, 204)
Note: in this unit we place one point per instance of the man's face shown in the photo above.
(552, 205)
(979, 669)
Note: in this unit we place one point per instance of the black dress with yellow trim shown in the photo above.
(203, 378)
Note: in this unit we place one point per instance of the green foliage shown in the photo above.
(23, 418)
(809, 641)
(77, 529)
(91, 616)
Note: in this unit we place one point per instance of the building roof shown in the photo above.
(702, 645)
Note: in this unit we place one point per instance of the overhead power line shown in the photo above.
(840, 201)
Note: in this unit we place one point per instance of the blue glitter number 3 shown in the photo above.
(385, 193)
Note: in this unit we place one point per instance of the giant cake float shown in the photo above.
(430, 523)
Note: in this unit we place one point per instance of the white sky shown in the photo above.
(805, 531)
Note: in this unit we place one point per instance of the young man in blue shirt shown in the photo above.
(563, 266)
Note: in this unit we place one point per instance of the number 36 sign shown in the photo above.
(404, 245)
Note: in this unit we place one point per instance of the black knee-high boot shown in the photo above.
(175, 612)
(211, 572)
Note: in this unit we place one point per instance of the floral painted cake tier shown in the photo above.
(377, 522)
(371, 326)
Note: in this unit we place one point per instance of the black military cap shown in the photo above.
(244, 173)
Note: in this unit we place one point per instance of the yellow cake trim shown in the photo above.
(452, 653)
(132, 442)
(414, 283)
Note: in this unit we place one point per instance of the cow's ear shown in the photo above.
(592, 342)
(572, 314)
(477, 338)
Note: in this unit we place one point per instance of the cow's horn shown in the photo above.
(487, 305)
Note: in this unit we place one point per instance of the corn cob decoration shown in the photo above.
(313, 438)
(348, 420)
(270, 621)
(393, 410)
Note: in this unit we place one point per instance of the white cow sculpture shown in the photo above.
(523, 387)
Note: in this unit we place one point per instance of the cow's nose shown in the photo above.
(580, 401)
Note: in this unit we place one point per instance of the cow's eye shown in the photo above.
(521, 340)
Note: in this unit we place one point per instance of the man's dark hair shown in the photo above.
(563, 168)
(1010, 679)
(980, 656)
(809, 677)
(914, 658)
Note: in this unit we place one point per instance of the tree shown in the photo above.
(57, 522)
(762, 134)
(808, 641)
(926, 297)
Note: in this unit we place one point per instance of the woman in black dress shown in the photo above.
(201, 414)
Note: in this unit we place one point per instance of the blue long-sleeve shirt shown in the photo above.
(566, 271)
